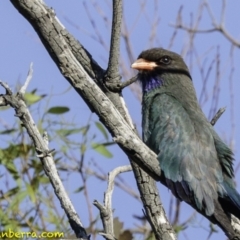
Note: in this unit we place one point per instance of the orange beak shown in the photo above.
(142, 64)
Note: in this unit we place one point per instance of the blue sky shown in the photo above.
(20, 45)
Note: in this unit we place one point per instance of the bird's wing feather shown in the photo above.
(225, 155)
(186, 153)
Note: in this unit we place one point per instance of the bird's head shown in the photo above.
(156, 65)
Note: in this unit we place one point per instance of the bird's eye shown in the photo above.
(165, 60)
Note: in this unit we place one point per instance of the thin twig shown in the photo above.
(29, 77)
(122, 85)
(216, 87)
(113, 62)
(232, 100)
(96, 29)
(217, 27)
(122, 186)
(106, 209)
(217, 115)
(111, 178)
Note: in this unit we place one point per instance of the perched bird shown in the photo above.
(197, 166)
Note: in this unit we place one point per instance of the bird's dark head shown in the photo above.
(156, 64)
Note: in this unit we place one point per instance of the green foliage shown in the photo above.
(58, 110)
(179, 228)
(27, 200)
(102, 129)
(100, 148)
(68, 132)
(32, 97)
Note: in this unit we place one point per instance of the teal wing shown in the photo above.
(186, 152)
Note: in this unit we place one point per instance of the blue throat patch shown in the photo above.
(150, 83)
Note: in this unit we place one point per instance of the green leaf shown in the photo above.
(67, 132)
(44, 180)
(102, 150)
(31, 98)
(79, 189)
(58, 110)
(9, 193)
(8, 131)
(64, 149)
(108, 143)
(178, 228)
(85, 130)
(102, 129)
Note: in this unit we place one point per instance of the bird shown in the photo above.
(196, 165)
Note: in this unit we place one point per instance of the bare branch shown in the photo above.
(29, 77)
(111, 178)
(122, 85)
(217, 27)
(217, 115)
(118, 183)
(106, 210)
(94, 25)
(112, 72)
(128, 82)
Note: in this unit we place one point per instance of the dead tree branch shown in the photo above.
(106, 210)
(217, 27)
